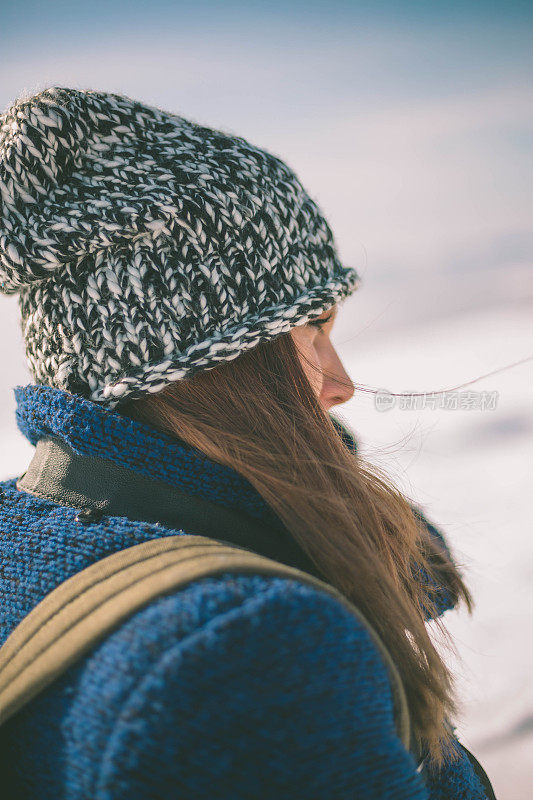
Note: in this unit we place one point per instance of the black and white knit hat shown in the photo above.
(145, 247)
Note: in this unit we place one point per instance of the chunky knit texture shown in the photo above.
(235, 687)
(145, 247)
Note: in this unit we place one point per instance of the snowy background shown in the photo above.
(411, 124)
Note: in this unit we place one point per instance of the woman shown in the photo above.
(178, 288)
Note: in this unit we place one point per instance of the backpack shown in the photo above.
(80, 612)
(86, 607)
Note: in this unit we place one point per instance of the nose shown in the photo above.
(337, 386)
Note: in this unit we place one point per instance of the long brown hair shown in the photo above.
(259, 415)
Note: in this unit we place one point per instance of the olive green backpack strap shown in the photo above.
(80, 612)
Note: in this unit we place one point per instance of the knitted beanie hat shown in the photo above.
(145, 247)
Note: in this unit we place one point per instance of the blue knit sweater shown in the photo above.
(238, 686)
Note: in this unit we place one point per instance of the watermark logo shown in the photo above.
(447, 401)
(384, 400)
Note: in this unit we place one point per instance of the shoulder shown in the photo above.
(247, 622)
(279, 685)
(233, 678)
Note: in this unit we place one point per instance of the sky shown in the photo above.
(411, 123)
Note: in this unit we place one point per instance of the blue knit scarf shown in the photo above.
(93, 430)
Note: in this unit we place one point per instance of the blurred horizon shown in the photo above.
(409, 123)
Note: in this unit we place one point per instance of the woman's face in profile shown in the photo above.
(318, 356)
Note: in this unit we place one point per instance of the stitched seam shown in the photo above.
(43, 496)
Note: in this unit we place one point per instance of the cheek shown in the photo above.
(308, 353)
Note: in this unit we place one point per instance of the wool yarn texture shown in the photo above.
(145, 247)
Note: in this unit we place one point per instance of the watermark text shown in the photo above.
(447, 401)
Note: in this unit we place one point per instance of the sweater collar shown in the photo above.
(93, 430)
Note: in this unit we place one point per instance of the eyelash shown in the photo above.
(319, 323)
